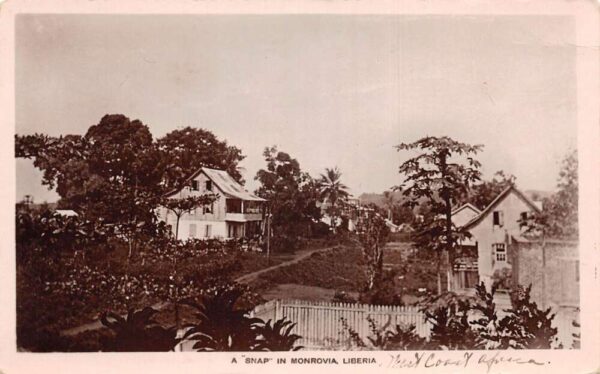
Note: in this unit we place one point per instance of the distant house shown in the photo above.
(484, 256)
(237, 213)
(350, 212)
(65, 213)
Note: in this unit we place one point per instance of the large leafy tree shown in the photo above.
(118, 174)
(333, 193)
(441, 173)
(482, 194)
(291, 193)
(187, 149)
(559, 216)
(108, 173)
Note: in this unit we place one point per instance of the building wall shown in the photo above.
(551, 268)
(194, 224)
(486, 234)
(216, 218)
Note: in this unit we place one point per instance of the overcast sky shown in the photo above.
(329, 90)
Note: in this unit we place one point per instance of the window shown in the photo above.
(208, 209)
(208, 186)
(195, 186)
(523, 219)
(192, 230)
(500, 250)
(498, 218)
(207, 231)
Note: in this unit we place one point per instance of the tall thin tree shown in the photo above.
(440, 174)
(332, 192)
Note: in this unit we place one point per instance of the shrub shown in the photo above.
(384, 291)
(450, 325)
(138, 332)
(401, 337)
(343, 297)
(223, 325)
(276, 337)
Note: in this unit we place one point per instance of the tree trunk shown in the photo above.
(439, 274)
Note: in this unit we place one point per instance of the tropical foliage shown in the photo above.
(224, 325)
(138, 332)
(332, 193)
(559, 216)
(441, 174)
(292, 199)
(460, 322)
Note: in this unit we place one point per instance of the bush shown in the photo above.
(384, 291)
(343, 297)
(320, 230)
(138, 332)
(287, 243)
(52, 341)
(400, 338)
(223, 325)
(467, 323)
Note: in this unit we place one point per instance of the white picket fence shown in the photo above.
(320, 323)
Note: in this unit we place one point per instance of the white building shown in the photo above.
(235, 214)
(491, 231)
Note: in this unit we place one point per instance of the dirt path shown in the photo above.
(299, 256)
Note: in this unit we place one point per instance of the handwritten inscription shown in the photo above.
(430, 360)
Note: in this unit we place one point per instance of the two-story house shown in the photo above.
(236, 213)
(491, 231)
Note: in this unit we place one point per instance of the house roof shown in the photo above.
(225, 182)
(466, 206)
(501, 196)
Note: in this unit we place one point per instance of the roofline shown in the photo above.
(497, 200)
(183, 185)
(194, 175)
(466, 205)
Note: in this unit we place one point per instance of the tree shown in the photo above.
(442, 173)
(111, 174)
(333, 192)
(482, 194)
(389, 201)
(185, 205)
(179, 207)
(372, 234)
(291, 194)
(117, 173)
(558, 218)
(185, 150)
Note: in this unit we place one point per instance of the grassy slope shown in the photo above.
(344, 269)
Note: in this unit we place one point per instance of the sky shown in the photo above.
(330, 90)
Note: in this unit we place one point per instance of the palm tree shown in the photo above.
(389, 201)
(333, 191)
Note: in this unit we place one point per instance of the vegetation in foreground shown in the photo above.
(466, 323)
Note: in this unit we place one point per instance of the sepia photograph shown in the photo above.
(297, 183)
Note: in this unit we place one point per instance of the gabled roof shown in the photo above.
(225, 182)
(466, 206)
(501, 196)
